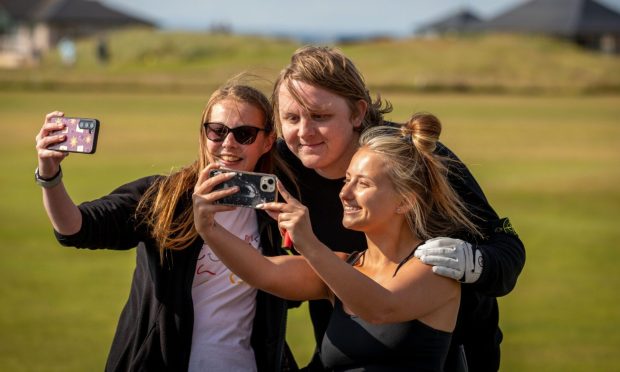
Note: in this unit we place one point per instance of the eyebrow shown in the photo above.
(359, 175)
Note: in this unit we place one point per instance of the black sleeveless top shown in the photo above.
(352, 344)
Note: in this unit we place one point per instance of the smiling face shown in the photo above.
(369, 199)
(320, 130)
(229, 153)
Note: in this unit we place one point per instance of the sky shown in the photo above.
(322, 18)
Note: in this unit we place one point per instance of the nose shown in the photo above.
(345, 192)
(229, 140)
(306, 127)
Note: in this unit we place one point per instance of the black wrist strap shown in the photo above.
(48, 182)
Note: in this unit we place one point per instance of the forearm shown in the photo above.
(504, 258)
(288, 277)
(362, 295)
(62, 212)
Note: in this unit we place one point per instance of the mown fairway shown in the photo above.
(552, 164)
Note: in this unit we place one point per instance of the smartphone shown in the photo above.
(254, 188)
(81, 134)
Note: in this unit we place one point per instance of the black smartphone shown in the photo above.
(254, 188)
(81, 133)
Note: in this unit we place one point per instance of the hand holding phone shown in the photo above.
(254, 188)
(81, 134)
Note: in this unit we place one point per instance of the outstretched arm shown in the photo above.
(414, 293)
(288, 277)
(62, 212)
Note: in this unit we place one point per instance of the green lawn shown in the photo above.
(193, 61)
(552, 164)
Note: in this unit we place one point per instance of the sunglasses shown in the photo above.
(244, 135)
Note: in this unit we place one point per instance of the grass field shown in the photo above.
(546, 153)
(550, 163)
(181, 61)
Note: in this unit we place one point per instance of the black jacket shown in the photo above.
(503, 252)
(154, 332)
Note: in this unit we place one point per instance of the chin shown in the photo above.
(234, 166)
(309, 161)
(351, 225)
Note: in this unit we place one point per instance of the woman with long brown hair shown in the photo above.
(185, 310)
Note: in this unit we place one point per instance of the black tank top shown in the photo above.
(352, 344)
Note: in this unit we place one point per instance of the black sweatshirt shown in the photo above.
(503, 253)
(154, 332)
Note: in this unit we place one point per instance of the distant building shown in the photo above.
(29, 28)
(586, 22)
(457, 23)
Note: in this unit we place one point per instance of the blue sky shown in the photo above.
(318, 17)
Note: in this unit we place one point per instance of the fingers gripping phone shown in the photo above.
(254, 188)
(81, 135)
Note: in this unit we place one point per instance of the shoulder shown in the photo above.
(415, 271)
(127, 194)
(139, 186)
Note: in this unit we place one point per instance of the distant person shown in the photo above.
(185, 311)
(66, 48)
(322, 106)
(103, 53)
(391, 313)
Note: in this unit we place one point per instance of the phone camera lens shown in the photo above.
(86, 124)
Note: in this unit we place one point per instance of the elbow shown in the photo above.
(379, 315)
(270, 282)
(262, 283)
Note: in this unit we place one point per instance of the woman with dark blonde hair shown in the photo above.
(321, 106)
(391, 313)
(186, 311)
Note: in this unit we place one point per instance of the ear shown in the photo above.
(268, 143)
(402, 208)
(360, 112)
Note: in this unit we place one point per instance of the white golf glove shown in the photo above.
(452, 258)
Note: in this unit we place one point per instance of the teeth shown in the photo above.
(229, 157)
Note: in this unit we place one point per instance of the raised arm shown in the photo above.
(62, 212)
(413, 294)
(288, 277)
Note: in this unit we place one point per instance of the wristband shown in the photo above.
(48, 183)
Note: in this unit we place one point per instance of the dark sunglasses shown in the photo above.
(244, 135)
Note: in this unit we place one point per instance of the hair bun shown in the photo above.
(424, 129)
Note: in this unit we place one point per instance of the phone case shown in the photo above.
(82, 134)
(254, 188)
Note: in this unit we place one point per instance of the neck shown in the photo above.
(391, 244)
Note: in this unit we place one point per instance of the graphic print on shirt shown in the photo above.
(224, 306)
(209, 265)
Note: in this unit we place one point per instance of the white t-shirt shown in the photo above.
(224, 306)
